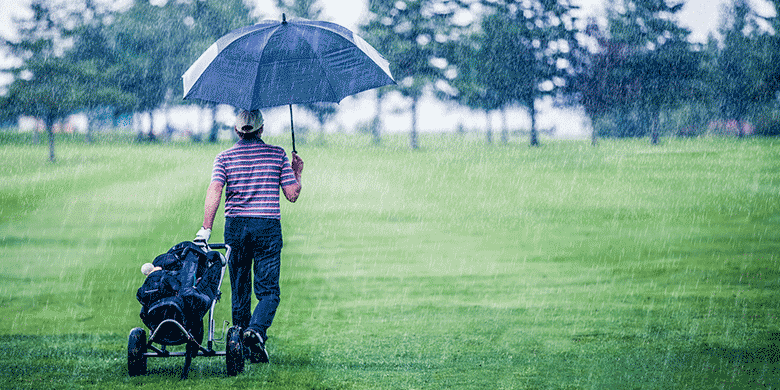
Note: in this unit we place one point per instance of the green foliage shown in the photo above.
(407, 34)
(410, 34)
(470, 58)
(157, 44)
(131, 61)
(646, 67)
(745, 71)
(48, 85)
(530, 48)
(445, 267)
(736, 62)
(767, 122)
(521, 52)
(690, 120)
(646, 71)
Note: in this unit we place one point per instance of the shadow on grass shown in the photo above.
(661, 361)
(100, 361)
(756, 366)
(596, 359)
(767, 351)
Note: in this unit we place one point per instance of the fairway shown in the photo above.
(460, 265)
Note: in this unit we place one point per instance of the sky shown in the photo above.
(701, 16)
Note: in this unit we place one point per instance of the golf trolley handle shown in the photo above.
(226, 247)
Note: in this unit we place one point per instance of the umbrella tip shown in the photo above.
(284, 19)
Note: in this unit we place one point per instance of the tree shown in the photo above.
(530, 46)
(745, 70)
(52, 83)
(157, 43)
(51, 93)
(209, 21)
(645, 66)
(770, 47)
(409, 33)
(93, 54)
(131, 61)
(595, 90)
(470, 58)
(151, 43)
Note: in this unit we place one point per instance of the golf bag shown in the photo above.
(182, 291)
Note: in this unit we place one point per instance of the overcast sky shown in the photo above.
(701, 16)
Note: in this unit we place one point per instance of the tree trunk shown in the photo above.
(534, 135)
(413, 134)
(138, 126)
(740, 126)
(37, 132)
(321, 140)
(376, 125)
(88, 136)
(504, 127)
(214, 133)
(594, 136)
(152, 137)
(50, 131)
(488, 128)
(655, 134)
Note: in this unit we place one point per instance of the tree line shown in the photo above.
(636, 73)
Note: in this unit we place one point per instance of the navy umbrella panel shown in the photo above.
(282, 63)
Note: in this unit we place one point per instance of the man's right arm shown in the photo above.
(292, 191)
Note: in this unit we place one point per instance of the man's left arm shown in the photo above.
(213, 197)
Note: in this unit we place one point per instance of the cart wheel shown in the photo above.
(234, 352)
(136, 347)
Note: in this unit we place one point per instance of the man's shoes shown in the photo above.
(256, 345)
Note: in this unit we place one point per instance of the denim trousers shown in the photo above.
(256, 247)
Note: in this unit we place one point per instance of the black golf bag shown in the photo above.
(182, 291)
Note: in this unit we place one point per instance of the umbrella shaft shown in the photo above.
(292, 129)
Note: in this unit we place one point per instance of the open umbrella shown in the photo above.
(283, 63)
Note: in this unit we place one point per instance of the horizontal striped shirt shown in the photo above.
(253, 172)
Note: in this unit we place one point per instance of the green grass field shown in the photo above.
(460, 265)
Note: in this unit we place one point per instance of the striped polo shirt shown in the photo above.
(253, 171)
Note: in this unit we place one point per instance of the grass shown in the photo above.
(456, 266)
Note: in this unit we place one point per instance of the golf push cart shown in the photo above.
(174, 299)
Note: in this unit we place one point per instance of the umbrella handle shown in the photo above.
(292, 130)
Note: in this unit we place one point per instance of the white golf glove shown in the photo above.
(203, 235)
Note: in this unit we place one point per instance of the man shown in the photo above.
(252, 173)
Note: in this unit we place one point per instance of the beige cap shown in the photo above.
(249, 121)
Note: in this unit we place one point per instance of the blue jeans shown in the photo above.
(258, 239)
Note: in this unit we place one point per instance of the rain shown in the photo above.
(507, 194)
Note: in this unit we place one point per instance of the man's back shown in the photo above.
(253, 172)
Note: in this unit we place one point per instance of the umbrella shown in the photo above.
(276, 63)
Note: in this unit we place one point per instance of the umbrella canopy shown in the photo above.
(283, 63)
